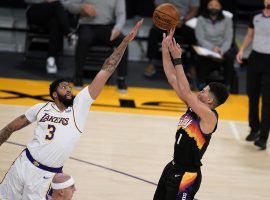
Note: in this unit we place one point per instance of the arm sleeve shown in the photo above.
(228, 36)
(200, 35)
(81, 105)
(120, 14)
(31, 113)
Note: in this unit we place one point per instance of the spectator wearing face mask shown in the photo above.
(258, 75)
(214, 31)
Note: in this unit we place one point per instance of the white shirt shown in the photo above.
(57, 132)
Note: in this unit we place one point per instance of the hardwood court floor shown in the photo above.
(121, 156)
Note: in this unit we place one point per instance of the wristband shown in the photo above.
(177, 61)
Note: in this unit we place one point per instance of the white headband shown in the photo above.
(66, 184)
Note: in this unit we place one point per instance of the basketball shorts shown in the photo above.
(177, 184)
(25, 181)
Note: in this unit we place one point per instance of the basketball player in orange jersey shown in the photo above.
(59, 126)
(181, 177)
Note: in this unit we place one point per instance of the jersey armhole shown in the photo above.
(42, 108)
(75, 120)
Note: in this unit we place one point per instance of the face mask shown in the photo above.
(267, 6)
(213, 12)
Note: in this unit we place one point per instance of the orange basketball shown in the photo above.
(166, 16)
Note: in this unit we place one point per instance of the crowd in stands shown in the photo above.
(102, 22)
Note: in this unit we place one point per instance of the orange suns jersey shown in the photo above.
(191, 143)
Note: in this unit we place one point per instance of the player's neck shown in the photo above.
(60, 105)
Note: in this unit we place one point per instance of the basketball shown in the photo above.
(166, 16)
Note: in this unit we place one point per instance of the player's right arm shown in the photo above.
(169, 67)
(111, 63)
(17, 124)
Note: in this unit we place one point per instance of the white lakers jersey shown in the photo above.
(57, 132)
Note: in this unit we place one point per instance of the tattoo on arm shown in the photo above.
(13, 126)
(112, 62)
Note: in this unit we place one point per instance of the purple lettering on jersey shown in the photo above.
(47, 117)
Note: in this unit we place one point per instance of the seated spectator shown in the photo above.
(214, 31)
(101, 21)
(51, 15)
(188, 9)
(62, 187)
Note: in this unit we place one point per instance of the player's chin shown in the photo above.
(69, 96)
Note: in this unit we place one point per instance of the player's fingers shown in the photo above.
(139, 24)
(174, 42)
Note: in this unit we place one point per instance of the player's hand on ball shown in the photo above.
(134, 31)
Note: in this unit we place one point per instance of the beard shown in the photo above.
(64, 100)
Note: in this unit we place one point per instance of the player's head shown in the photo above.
(214, 94)
(63, 186)
(60, 90)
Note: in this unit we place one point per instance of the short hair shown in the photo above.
(220, 92)
(55, 84)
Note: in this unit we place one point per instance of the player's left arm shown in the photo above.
(208, 118)
(111, 63)
(17, 124)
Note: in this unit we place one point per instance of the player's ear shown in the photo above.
(54, 95)
(210, 100)
(61, 192)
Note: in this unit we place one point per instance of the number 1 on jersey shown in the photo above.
(179, 138)
(51, 129)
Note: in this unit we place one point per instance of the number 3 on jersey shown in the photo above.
(50, 135)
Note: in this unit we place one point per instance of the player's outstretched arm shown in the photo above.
(167, 62)
(111, 63)
(204, 112)
(13, 126)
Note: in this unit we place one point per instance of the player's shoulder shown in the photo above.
(83, 95)
(40, 106)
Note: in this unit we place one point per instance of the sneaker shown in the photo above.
(121, 85)
(260, 143)
(252, 136)
(149, 71)
(51, 66)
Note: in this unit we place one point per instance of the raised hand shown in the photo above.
(133, 32)
(167, 39)
(175, 49)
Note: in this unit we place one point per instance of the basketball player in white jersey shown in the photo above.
(59, 126)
